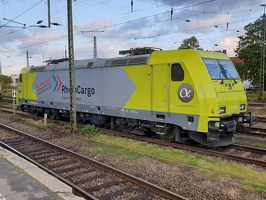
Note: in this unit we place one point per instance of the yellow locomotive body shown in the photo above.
(178, 94)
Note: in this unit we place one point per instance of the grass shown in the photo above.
(91, 129)
(252, 179)
(251, 186)
(38, 123)
(65, 127)
(109, 149)
(253, 95)
(10, 105)
(130, 150)
(252, 145)
(33, 122)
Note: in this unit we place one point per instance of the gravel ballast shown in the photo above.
(189, 181)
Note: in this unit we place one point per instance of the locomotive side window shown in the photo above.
(177, 72)
(20, 78)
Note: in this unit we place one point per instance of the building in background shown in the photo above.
(236, 60)
(14, 80)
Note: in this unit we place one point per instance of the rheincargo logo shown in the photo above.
(57, 86)
(79, 90)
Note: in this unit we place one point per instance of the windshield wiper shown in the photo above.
(224, 72)
(232, 78)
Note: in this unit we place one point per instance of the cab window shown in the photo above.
(221, 69)
(177, 72)
(20, 78)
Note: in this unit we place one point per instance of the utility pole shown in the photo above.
(72, 85)
(262, 69)
(94, 48)
(1, 77)
(65, 52)
(27, 54)
(49, 15)
(49, 19)
(94, 42)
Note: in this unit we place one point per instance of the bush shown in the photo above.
(91, 129)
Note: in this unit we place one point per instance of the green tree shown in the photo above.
(242, 70)
(190, 43)
(5, 81)
(250, 50)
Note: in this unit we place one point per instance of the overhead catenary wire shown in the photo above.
(109, 27)
(21, 14)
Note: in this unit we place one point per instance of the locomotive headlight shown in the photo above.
(214, 126)
(217, 124)
(242, 106)
(222, 110)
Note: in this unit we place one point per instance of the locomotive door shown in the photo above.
(23, 89)
(160, 88)
(25, 86)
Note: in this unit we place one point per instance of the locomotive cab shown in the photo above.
(231, 113)
(203, 93)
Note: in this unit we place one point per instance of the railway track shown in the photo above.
(247, 154)
(88, 178)
(228, 154)
(7, 100)
(256, 155)
(261, 119)
(243, 154)
(256, 104)
(259, 132)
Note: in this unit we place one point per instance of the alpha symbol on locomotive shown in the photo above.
(185, 93)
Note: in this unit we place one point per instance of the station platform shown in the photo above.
(20, 179)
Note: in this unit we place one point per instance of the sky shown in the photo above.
(118, 25)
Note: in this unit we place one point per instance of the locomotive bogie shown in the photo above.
(177, 94)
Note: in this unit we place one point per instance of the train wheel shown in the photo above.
(53, 114)
(36, 112)
(169, 136)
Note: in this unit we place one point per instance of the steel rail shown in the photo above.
(160, 191)
(77, 190)
(250, 149)
(254, 133)
(256, 104)
(261, 119)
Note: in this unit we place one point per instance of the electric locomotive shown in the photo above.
(177, 94)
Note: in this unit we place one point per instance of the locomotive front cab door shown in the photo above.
(160, 87)
(22, 86)
(25, 86)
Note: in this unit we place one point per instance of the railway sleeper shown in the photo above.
(117, 193)
(103, 185)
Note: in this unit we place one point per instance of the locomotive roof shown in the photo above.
(160, 56)
(95, 63)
